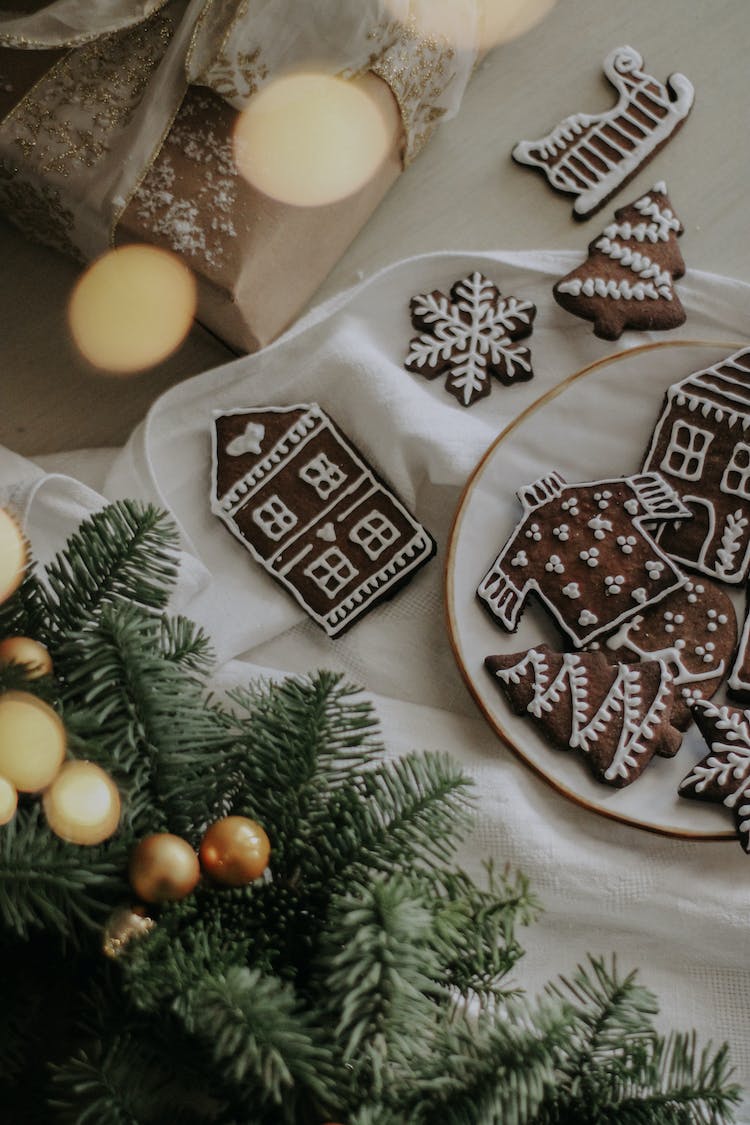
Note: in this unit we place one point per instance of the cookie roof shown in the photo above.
(723, 388)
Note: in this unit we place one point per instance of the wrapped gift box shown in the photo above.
(74, 119)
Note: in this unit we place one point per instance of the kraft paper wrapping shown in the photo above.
(103, 141)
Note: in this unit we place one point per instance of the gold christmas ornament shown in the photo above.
(32, 741)
(235, 850)
(163, 868)
(82, 805)
(8, 800)
(124, 925)
(24, 650)
(12, 555)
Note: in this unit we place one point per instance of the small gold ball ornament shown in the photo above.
(12, 555)
(8, 800)
(82, 805)
(235, 850)
(124, 925)
(163, 868)
(30, 653)
(32, 741)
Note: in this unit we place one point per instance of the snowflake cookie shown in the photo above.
(617, 715)
(469, 336)
(723, 775)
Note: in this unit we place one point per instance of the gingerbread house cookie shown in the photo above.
(307, 506)
(701, 446)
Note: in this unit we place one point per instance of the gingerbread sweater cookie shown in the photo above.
(307, 506)
(628, 278)
(584, 550)
(592, 156)
(617, 716)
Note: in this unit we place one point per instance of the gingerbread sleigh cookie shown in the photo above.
(584, 551)
(617, 716)
(592, 156)
(307, 506)
(628, 278)
(469, 336)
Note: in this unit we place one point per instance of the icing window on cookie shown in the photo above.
(274, 518)
(374, 534)
(687, 450)
(331, 571)
(737, 473)
(323, 475)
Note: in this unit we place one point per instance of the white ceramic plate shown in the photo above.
(595, 423)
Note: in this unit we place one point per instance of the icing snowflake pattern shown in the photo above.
(723, 775)
(469, 336)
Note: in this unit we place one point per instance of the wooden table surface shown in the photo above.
(463, 192)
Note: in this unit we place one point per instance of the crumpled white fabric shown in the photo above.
(676, 910)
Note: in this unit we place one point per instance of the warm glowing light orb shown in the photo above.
(82, 805)
(32, 741)
(8, 800)
(12, 555)
(34, 657)
(494, 22)
(132, 308)
(311, 139)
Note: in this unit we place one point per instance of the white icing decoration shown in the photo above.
(590, 556)
(613, 584)
(249, 441)
(599, 525)
(639, 595)
(475, 332)
(533, 532)
(685, 455)
(586, 617)
(608, 287)
(654, 569)
(572, 590)
(520, 559)
(622, 709)
(562, 532)
(327, 532)
(631, 506)
(554, 565)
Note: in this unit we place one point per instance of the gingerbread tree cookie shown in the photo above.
(628, 278)
(723, 775)
(469, 336)
(618, 716)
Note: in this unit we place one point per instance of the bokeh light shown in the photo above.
(132, 308)
(12, 555)
(82, 805)
(310, 139)
(497, 21)
(8, 800)
(32, 741)
(34, 657)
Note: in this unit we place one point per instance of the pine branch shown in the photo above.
(152, 725)
(46, 883)
(124, 553)
(260, 1039)
(26, 612)
(377, 978)
(185, 643)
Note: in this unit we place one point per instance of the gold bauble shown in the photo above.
(32, 741)
(24, 650)
(8, 800)
(12, 555)
(124, 925)
(235, 851)
(82, 805)
(163, 868)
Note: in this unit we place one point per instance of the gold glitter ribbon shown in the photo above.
(74, 150)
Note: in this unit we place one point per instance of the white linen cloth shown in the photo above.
(676, 910)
